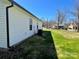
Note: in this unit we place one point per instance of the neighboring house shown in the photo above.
(16, 23)
(72, 27)
(61, 26)
(54, 26)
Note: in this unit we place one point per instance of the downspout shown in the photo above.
(7, 24)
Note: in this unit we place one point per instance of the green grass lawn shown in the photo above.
(66, 43)
(35, 47)
(53, 44)
(38, 47)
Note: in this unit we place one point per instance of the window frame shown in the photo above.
(30, 22)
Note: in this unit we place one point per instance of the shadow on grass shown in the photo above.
(35, 47)
(39, 47)
(49, 39)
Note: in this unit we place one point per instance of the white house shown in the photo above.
(72, 27)
(16, 23)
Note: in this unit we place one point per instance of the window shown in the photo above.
(37, 26)
(30, 22)
(30, 27)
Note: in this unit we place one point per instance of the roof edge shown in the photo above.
(15, 3)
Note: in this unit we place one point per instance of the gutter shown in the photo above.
(7, 24)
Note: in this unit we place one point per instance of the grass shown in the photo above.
(35, 47)
(38, 47)
(67, 44)
(44, 47)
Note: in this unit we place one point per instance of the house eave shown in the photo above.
(15, 3)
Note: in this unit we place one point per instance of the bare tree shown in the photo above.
(45, 24)
(76, 14)
(60, 17)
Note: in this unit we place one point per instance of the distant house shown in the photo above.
(72, 27)
(16, 23)
(54, 26)
(61, 26)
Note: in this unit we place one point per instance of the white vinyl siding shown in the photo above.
(3, 33)
(39, 25)
(19, 25)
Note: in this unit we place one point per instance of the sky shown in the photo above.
(46, 9)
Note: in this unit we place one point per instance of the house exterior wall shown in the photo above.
(35, 29)
(39, 24)
(3, 32)
(19, 25)
(72, 27)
